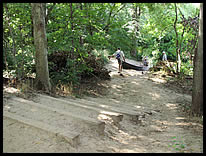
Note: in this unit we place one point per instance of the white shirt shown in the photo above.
(121, 54)
(164, 58)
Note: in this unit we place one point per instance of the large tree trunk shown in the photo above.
(197, 94)
(40, 42)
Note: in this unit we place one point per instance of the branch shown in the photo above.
(118, 10)
(112, 16)
(175, 25)
(187, 20)
(183, 28)
(181, 13)
(108, 21)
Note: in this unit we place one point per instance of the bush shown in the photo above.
(187, 68)
(64, 70)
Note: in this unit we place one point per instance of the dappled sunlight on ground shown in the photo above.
(11, 90)
(152, 121)
(162, 120)
(172, 106)
(158, 80)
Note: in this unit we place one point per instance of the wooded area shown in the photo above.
(65, 43)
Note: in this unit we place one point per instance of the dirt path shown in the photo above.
(161, 127)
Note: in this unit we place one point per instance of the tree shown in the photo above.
(77, 30)
(177, 42)
(197, 94)
(11, 33)
(40, 43)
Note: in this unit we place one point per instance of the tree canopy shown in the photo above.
(80, 30)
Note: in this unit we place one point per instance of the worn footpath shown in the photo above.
(134, 115)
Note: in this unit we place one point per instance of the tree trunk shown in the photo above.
(136, 17)
(40, 43)
(197, 94)
(178, 59)
(5, 54)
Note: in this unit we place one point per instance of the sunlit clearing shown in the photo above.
(171, 106)
(103, 117)
(158, 80)
(138, 106)
(11, 90)
(197, 5)
(154, 96)
(104, 106)
(180, 118)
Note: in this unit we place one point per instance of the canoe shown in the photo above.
(126, 65)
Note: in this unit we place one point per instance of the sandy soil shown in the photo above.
(162, 127)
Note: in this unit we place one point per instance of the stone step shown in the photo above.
(76, 107)
(71, 137)
(56, 117)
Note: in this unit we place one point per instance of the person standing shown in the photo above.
(120, 57)
(164, 57)
(145, 60)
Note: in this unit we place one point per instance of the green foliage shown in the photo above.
(187, 68)
(139, 29)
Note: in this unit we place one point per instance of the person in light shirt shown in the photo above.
(164, 57)
(120, 57)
